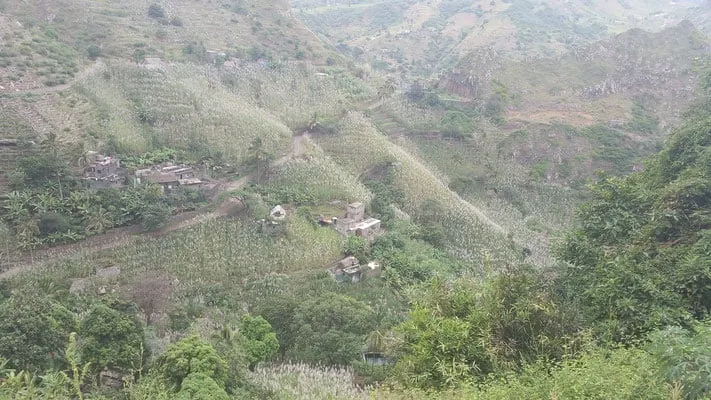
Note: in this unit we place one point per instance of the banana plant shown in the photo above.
(15, 206)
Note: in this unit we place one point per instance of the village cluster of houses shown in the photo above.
(355, 223)
(103, 172)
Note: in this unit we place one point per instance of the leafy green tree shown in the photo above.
(598, 374)
(260, 341)
(50, 223)
(640, 258)
(429, 216)
(199, 386)
(416, 92)
(462, 331)
(258, 156)
(45, 169)
(154, 216)
(93, 51)
(112, 338)
(188, 356)
(456, 124)
(229, 345)
(34, 332)
(150, 387)
(357, 247)
(331, 329)
(51, 385)
(279, 312)
(685, 357)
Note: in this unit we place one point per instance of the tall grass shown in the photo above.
(296, 93)
(318, 179)
(305, 382)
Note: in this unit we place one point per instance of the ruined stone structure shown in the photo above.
(355, 211)
(103, 172)
(347, 270)
(368, 229)
(355, 224)
(350, 270)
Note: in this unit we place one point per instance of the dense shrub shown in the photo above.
(112, 338)
(34, 332)
(156, 11)
(93, 51)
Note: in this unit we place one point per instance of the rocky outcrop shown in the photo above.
(471, 78)
(634, 62)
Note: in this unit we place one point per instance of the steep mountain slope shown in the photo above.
(421, 37)
(631, 86)
(470, 174)
(191, 78)
(519, 138)
(130, 77)
(53, 38)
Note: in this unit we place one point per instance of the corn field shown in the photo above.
(216, 255)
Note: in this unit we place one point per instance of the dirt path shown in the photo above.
(296, 149)
(86, 72)
(119, 237)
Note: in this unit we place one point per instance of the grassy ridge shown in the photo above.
(359, 148)
(177, 108)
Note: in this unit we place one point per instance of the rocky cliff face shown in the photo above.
(471, 78)
(630, 63)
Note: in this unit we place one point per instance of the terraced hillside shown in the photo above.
(135, 76)
(49, 41)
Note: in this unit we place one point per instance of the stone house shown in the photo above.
(169, 176)
(350, 270)
(368, 229)
(103, 171)
(355, 211)
(347, 270)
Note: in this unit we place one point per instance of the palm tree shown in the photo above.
(388, 89)
(44, 203)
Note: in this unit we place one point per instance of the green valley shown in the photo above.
(235, 199)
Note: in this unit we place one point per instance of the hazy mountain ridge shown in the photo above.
(420, 37)
(662, 67)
